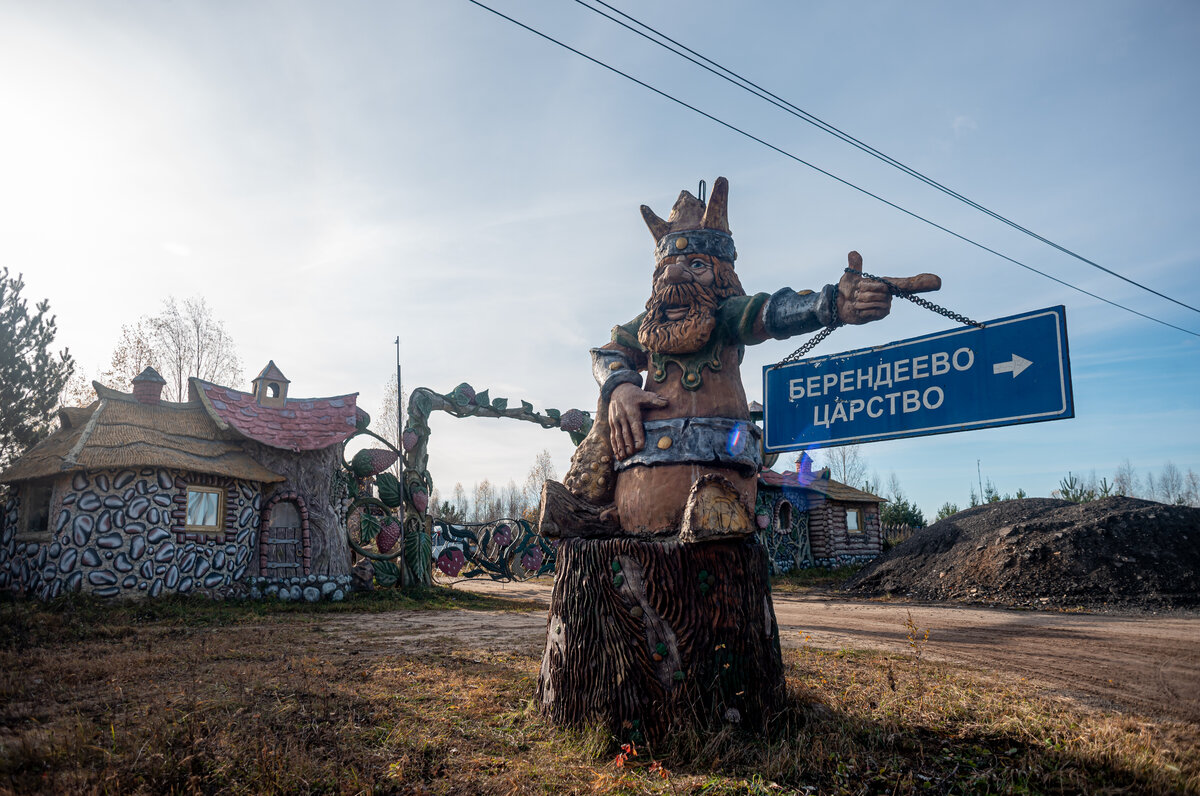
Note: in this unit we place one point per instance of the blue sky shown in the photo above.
(330, 176)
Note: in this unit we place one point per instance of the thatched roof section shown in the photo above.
(46, 458)
(120, 432)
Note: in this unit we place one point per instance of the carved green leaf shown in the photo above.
(463, 394)
(554, 413)
(482, 398)
(418, 554)
(386, 573)
(527, 407)
(389, 488)
(422, 402)
(499, 404)
(368, 528)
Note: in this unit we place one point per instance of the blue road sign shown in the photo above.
(1014, 370)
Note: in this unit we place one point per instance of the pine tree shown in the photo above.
(31, 375)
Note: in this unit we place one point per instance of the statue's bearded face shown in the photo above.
(681, 312)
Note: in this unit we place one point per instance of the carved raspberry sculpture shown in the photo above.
(372, 461)
(409, 440)
(389, 534)
(463, 394)
(571, 420)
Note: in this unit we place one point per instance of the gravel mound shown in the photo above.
(1115, 552)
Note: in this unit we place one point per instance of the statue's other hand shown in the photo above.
(625, 418)
(865, 300)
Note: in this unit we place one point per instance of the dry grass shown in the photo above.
(269, 702)
(803, 580)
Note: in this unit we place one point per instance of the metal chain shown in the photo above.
(904, 294)
(920, 302)
(808, 346)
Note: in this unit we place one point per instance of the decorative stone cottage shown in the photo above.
(807, 519)
(227, 493)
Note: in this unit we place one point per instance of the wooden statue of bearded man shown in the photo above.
(661, 613)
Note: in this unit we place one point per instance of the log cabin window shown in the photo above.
(35, 511)
(205, 509)
(854, 520)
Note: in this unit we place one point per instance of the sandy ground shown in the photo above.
(1149, 664)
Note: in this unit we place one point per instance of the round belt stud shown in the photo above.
(664, 443)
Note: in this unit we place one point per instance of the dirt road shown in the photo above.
(1148, 664)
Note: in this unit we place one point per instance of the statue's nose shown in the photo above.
(676, 274)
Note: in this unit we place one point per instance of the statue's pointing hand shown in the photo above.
(625, 418)
(864, 300)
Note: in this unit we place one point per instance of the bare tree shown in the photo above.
(513, 500)
(458, 500)
(180, 341)
(78, 390)
(133, 353)
(191, 342)
(1191, 488)
(1170, 484)
(541, 472)
(1126, 482)
(894, 491)
(388, 424)
(1151, 487)
(846, 464)
(484, 502)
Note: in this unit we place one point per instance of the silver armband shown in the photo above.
(612, 368)
(788, 313)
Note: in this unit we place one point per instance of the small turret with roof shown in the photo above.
(270, 386)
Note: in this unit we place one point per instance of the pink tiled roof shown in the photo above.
(301, 424)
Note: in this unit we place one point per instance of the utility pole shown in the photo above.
(399, 411)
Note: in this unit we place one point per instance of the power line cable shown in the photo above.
(818, 169)
(750, 86)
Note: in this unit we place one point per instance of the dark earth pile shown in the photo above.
(1114, 552)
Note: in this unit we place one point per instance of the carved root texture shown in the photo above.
(647, 636)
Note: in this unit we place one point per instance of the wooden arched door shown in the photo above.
(283, 540)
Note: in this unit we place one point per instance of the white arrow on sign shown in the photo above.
(1016, 366)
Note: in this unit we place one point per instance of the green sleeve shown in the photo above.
(736, 317)
(627, 334)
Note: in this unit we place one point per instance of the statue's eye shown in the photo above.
(698, 264)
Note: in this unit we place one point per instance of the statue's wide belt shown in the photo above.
(720, 441)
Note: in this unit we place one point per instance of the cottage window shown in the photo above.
(205, 508)
(35, 511)
(854, 520)
(785, 517)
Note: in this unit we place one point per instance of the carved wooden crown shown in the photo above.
(694, 226)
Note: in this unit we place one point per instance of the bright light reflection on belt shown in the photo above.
(736, 441)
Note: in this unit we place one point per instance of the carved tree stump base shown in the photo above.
(646, 635)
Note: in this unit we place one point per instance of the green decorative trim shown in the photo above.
(692, 364)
